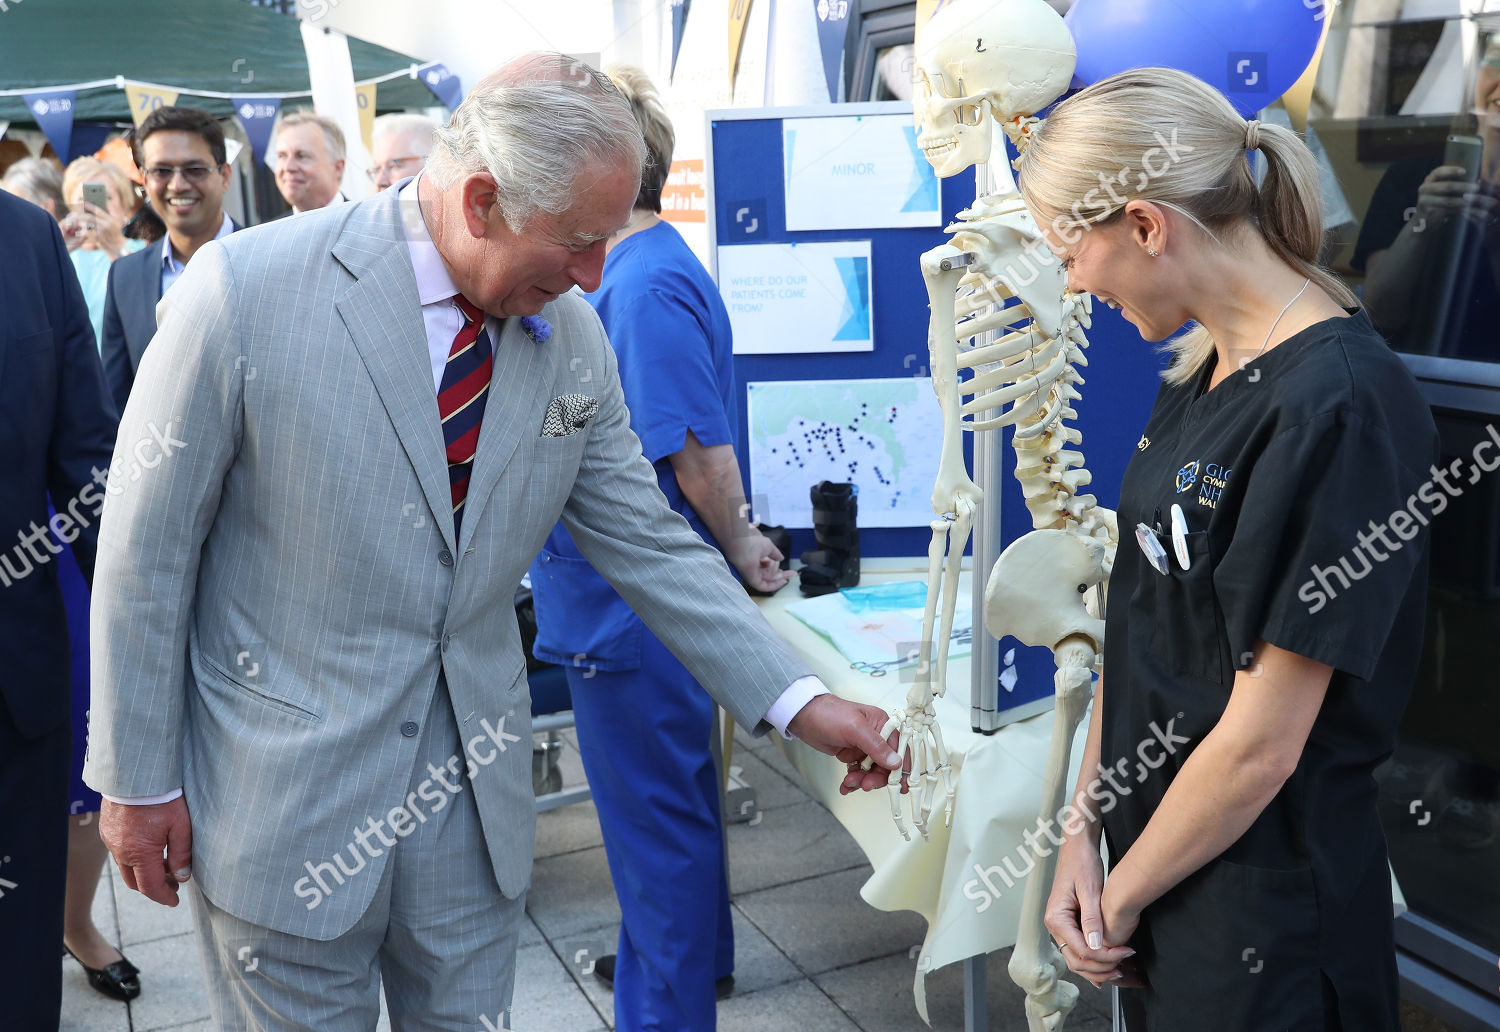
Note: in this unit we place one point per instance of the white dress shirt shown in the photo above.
(338, 198)
(171, 268)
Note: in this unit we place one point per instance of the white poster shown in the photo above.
(798, 298)
(857, 172)
(884, 436)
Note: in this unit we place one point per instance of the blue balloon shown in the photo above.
(1250, 50)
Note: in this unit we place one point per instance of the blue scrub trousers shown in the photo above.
(644, 737)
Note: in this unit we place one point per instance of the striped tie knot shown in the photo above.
(461, 400)
(470, 309)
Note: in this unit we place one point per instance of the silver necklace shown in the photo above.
(1289, 304)
(1187, 411)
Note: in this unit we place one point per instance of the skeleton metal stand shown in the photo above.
(989, 472)
(984, 678)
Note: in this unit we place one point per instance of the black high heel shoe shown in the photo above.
(118, 981)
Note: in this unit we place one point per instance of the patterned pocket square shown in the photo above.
(567, 413)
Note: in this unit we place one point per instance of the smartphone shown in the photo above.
(96, 194)
(1465, 151)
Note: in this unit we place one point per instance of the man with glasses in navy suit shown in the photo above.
(181, 152)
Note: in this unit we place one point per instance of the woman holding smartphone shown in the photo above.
(101, 199)
(1258, 652)
(1429, 245)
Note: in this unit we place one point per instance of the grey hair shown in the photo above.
(533, 126)
(37, 180)
(1162, 135)
(331, 131)
(403, 123)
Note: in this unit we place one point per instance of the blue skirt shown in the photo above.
(81, 798)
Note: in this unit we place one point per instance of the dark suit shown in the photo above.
(130, 316)
(56, 427)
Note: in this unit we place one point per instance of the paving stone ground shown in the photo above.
(810, 954)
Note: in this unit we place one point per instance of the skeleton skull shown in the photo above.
(983, 59)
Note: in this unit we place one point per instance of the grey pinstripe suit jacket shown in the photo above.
(276, 598)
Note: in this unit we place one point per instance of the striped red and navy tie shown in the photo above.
(461, 398)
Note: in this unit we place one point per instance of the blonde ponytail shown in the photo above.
(1289, 209)
(1162, 135)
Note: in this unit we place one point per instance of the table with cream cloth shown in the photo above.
(997, 795)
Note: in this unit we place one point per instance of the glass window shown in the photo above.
(894, 73)
(1440, 794)
(1408, 113)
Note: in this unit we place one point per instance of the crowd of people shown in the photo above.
(212, 686)
(234, 431)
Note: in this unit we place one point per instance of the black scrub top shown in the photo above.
(1278, 471)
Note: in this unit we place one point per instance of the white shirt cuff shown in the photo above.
(798, 694)
(150, 800)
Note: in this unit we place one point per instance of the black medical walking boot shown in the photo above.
(834, 563)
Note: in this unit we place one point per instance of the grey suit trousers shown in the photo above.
(439, 933)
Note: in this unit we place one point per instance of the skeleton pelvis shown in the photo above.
(1036, 590)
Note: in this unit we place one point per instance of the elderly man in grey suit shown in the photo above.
(310, 699)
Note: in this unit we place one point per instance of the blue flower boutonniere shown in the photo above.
(536, 328)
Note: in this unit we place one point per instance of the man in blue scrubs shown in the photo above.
(644, 723)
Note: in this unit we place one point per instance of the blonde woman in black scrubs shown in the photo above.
(1265, 619)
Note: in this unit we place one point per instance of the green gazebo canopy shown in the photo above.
(219, 46)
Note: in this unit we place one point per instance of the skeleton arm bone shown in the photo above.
(954, 498)
(953, 483)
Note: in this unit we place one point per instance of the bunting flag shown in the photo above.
(739, 14)
(53, 111)
(364, 97)
(833, 26)
(443, 83)
(679, 25)
(146, 99)
(258, 117)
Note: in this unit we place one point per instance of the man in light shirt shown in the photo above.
(309, 161)
(180, 151)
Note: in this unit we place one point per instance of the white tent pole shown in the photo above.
(331, 73)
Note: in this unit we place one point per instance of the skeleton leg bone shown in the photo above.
(1035, 964)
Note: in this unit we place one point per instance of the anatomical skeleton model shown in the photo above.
(1004, 60)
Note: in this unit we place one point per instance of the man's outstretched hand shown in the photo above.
(153, 846)
(849, 731)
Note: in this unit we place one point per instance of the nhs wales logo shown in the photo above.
(1187, 476)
